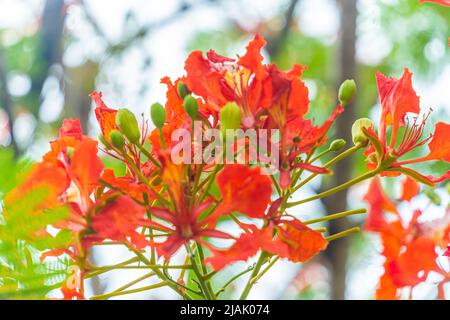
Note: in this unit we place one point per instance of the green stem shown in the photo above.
(343, 234)
(270, 265)
(232, 280)
(148, 155)
(336, 216)
(250, 283)
(339, 157)
(114, 294)
(206, 293)
(331, 191)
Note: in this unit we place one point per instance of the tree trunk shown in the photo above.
(337, 251)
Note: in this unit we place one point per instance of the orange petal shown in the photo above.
(397, 99)
(86, 166)
(252, 59)
(106, 116)
(410, 189)
(378, 202)
(244, 189)
(440, 143)
(419, 257)
(71, 128)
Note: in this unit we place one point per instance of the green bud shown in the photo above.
(182, 90)
(447, 186)
(347, 91)
(358, 135)
(337, 144)
(117, 139)
(158, 115)
(433, 196)
(230, 117)
(128, 125)
(190, 106)
(103, 140)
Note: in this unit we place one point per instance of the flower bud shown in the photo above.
(230, 117)
(182, 90)
(117, 139)
(337, 144)
(190, 106)
(347, 91)
(358, 135)
(447, 186)
(128, 125)
(103, 140)
(158, 115)
(433, 196)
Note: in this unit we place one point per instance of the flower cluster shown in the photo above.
(160, 207)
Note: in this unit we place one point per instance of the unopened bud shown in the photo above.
(337, 144)
(230, 117)
(117, 139)
(128, 125)
(103, 140)
(190, 105)
(347, 91)
(158, 115)
(433, 196)
(358, 135)
(447, 186)
(182, 90)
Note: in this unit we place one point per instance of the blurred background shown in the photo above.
(53, 53)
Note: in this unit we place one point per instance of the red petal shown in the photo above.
(419, 256)
(397, 99)
(252, 59)
(245, 247)
(106, 116)
(410, 189)
(119, 219)
(71, 128)
(303, 242)
(312, 168)
(240, 186)
(386, 289)
(441, 2)
(86, 167)
(378, 202)
(440, 143)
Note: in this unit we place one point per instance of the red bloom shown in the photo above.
(220, 79)
(409, 250)
(398, 98)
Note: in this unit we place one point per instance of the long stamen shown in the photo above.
(412, 136)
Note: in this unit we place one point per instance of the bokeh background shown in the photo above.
(53, 53)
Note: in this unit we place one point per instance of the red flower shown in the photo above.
(219, 79)
(398, 98)
(409, 250)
